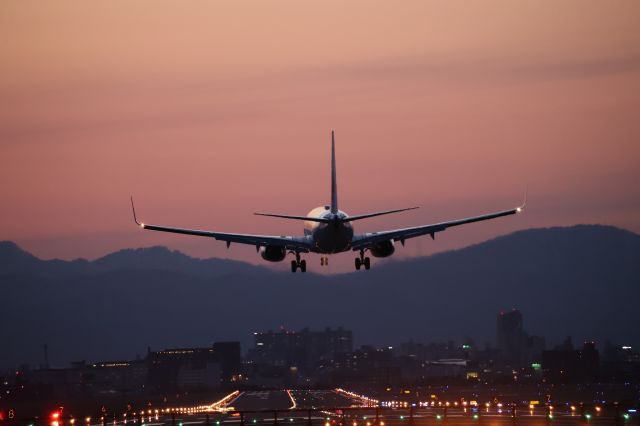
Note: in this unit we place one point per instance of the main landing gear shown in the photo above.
(363, 261)
(295, 264)
(324, 261)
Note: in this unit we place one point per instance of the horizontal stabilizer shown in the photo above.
(368, 215)
(286, 216)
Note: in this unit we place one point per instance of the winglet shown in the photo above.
(524, 202)
(135, 219)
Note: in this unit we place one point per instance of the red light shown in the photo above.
(55, 415)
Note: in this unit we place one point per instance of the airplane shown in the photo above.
(329, 230)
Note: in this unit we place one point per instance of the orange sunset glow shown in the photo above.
(207, 112)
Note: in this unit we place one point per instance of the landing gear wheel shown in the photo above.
(358, 263)
(367, 263)
(295, 264)
(326, 261)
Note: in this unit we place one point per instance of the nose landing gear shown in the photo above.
(295, 264)
(363, 261)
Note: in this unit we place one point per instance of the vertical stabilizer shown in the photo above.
(334, 184)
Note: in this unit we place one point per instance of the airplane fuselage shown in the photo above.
(329, 238)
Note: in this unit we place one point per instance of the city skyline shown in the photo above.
(277, 341)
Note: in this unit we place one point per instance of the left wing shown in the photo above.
(298, 244)
(367, 240)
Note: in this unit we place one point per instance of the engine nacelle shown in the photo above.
(273, 253)
(383, 249)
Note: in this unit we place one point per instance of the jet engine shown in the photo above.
(383, 249)
(273, 253)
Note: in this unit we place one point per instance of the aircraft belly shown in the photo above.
(329, 239)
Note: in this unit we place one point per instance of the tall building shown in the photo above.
(511, 337)
(516, 347)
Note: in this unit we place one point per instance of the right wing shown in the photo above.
(367, 240)
(298, 244)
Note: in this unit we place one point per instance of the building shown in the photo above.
(566, 365)
(179, 368)
(510, 337)
(517, 348)
(302, 349)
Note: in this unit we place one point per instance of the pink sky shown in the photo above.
(209, 111)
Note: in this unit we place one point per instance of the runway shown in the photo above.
(341, 408)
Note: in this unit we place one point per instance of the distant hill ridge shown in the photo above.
(14, 260)
(582, 280)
